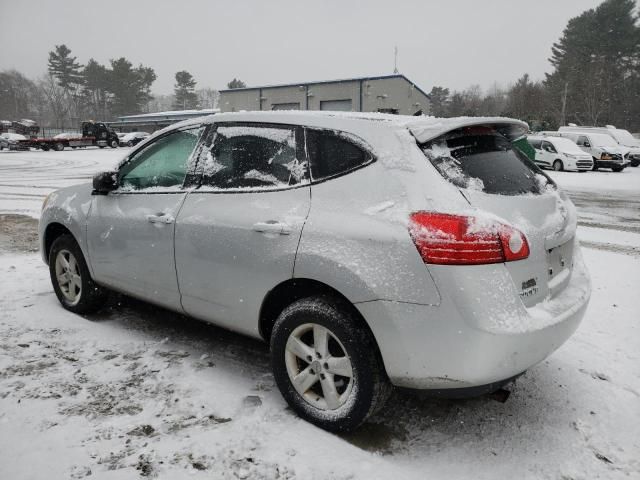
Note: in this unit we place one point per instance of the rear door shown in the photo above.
(130, 231)
(237, 235)
(498, 179)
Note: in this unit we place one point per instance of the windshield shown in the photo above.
(602, 140)
(565, 145)
(625, 138)
(481, 159)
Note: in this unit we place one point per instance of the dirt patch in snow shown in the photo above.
(18, 233)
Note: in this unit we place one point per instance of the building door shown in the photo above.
(336, 105)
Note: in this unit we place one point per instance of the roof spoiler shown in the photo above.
(510, 128)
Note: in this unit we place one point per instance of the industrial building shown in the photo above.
(388, 94)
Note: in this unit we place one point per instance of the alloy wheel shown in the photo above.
(68, 276)
(318, 366)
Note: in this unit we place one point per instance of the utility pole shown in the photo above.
(395, 59)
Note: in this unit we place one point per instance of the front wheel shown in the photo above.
(557, 166)
(113, 144)
(327, 365)
(70, 277)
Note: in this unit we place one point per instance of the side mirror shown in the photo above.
(587, 144)
(105, 182)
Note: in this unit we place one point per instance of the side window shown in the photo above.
(245, 156)
(535, 143)
(331, 153)
(582, 140)
(162, 163)
(548, 147)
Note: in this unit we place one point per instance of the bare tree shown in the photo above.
(56, 99)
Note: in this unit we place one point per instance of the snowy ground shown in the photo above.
(138, 391)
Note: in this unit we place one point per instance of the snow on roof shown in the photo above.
(423, 128)
(322, 82)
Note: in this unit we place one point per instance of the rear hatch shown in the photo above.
(499, 180)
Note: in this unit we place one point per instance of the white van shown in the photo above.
(559, 153)
(620, 135)
(604, 150)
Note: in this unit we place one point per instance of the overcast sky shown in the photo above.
(453, 43)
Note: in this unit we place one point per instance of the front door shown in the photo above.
(237, 235)
(130, 231)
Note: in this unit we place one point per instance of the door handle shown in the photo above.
(272, 226)
(161, 218)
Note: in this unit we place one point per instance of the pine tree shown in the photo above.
(439, 101)
(65, 68)
(595, 62)
(130, 87)
(95, 96)
(236, 83)
(184, 91)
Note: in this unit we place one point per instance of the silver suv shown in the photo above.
(369, 250)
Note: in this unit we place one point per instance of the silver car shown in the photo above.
(368, 250)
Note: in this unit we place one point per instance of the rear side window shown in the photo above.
(244, 156)
(331, 153)
(482, 159)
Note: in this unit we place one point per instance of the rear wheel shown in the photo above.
(113, 143)
(326, 365)
(557, 166)
(58, 147)
(70, 277)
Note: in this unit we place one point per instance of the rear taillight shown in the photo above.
(465, 240)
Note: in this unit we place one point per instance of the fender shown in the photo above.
(70, 208)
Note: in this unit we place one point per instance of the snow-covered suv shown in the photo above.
(370, 250)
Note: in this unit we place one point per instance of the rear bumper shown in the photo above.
(461, 343)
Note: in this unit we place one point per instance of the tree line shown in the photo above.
(595, 81)
(70, 92)
(595, 78)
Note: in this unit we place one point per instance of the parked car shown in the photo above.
(623, 137)
(559, 153)
(604, 150)
(13, 141)
(368, 250)
(132, 139)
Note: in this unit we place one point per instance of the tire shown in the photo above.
(130, 143)
(113, 143)
(58, 147)
(557, 166)
(355, 398)
(77, 292)
(45, 148)
(617, 169)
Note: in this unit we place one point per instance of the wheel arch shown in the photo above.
(287, 292)
(54, 231)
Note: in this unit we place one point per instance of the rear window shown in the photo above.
(482, 159)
